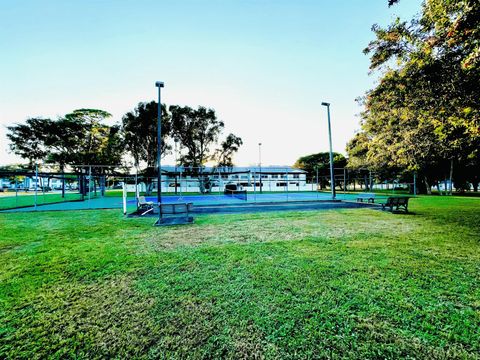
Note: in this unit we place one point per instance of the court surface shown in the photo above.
(198, 200)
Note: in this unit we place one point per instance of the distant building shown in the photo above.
(251, 178)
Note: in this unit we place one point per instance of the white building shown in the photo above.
(267, 178)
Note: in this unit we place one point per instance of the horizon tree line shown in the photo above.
(83, 137)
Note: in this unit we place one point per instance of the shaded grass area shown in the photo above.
(10, 201)
(356, 283)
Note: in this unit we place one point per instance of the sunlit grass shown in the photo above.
(357, 283)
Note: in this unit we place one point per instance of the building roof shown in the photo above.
(240, 169)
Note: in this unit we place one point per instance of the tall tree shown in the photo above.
(79, 137)
(224, 154)
(424, 114)
(320, 163)
(197, 130)
(28, 140)
(140, 132)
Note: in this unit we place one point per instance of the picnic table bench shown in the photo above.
(397, 202)
(368, 197)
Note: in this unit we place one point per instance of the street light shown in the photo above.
(332, 176)
(260, 163)
(159, 84)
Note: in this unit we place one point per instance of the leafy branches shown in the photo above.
(424, 113)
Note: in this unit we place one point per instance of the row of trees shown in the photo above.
(424, 114)
(83, 137)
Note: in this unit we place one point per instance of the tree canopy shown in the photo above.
(321, 162)
(140, 133)
(80, 137)
(424, 114)
(198, 131)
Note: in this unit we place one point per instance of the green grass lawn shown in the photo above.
(356, 283)
(10, 201)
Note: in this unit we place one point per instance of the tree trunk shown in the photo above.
(149, 188)
(427, 185)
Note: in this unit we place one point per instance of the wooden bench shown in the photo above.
(397, 202)
(368, 197)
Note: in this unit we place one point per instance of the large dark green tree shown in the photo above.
(197, 130)
(319, 164)
(80, 137)
(223, 156)
(140, 132)
(424, 114)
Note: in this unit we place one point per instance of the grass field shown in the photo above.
(10, 201)
(356, 283)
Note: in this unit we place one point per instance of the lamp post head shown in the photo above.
(159, 84)
(325, 104)
(259, 144)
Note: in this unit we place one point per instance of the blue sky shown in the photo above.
(264, 66)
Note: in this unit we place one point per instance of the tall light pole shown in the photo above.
(260, 163)
(159, 84)
(332, 176)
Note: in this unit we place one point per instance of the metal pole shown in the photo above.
(89, 183)
(159, 84)
(219, 182)
(254, 187)
(175, 166)
(414, 184)
(260, 164)
(332, 180)
(286, 180)
(16, 191)
(36, 185)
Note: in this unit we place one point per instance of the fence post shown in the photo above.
(16, 191)
(414, 184)
(36, 185)
(89, 183)
(254, 187)
(286, 180)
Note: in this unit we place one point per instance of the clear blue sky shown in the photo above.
(264, 66)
